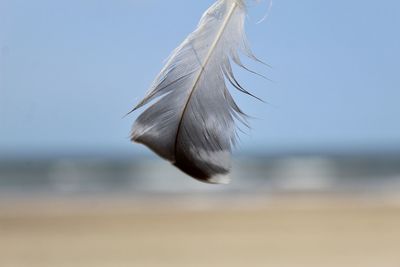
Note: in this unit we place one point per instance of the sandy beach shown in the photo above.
(279, 232)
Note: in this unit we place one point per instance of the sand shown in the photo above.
(283, 232)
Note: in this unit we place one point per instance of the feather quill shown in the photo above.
(192, 123)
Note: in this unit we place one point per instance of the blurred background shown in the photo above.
(315, 181)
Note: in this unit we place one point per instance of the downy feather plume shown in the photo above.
(192, 123)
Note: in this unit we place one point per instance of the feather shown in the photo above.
(192, 123)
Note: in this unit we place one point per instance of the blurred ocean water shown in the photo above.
(362, 174)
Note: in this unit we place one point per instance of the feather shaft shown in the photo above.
(204, 64)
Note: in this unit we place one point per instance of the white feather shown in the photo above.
(192, 124)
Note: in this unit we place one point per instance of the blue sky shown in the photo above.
(70, 70)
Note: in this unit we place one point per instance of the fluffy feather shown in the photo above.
(192, 123)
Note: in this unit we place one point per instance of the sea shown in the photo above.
(286, 173)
